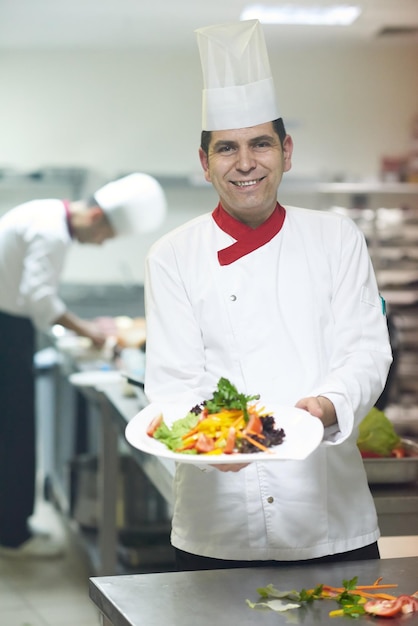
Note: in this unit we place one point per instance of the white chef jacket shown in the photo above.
(300, 316)
(34, 240)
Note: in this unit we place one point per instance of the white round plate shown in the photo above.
(73, 343)
(95, 378)
(303, 433)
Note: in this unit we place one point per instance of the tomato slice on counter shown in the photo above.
(409, 604)
(388, 608)
(383, 608)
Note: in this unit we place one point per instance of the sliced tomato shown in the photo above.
(204, 443)
(370, 455)
(255, 425)
(409, 604)
(154, 424)
(230, 441)
(383, 608)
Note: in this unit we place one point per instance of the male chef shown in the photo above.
(34, 240)
(283, 302)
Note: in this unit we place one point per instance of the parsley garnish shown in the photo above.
(227, 397)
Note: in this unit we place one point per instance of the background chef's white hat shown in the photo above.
(133, 204)
(238, 86)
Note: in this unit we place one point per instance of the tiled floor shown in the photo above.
(55, 593)
(47, 593)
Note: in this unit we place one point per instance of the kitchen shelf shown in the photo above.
(50, 182)
(387, 214)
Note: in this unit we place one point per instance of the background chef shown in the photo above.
(34, 240)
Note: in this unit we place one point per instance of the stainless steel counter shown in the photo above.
(116, 411)
(121, 409)
(219, 596)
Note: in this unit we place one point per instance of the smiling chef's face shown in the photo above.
(246, 166)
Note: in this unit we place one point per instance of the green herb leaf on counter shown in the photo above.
(272, 592)
(351, 603)
(311, 595)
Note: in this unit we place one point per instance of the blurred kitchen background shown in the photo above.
(94, 89)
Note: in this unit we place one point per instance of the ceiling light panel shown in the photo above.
(333, 15)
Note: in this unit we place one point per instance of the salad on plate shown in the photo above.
(229, 423)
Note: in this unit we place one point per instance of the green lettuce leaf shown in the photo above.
(274, 605)
(376, 434)
(269, 591)
(172, 437)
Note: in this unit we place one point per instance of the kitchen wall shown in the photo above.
(123, 110)
(118, 111)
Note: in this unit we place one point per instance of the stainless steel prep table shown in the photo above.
(117, 410)
(190, 598)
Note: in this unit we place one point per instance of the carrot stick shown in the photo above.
(383, 596)
(252, 432)
(371, 596)
(375, 586)
(238, 420)
(255, 443)
(188, 446)
(359, 592)
(192, 431)
(380, 596)
(363, 587)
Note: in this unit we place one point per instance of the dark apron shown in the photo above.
(17, 427)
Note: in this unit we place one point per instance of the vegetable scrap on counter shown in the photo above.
(354, 600)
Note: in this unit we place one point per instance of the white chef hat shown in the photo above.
(133, 204)
(238, 87)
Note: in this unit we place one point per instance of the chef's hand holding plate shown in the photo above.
(320, 407)
(317, 406)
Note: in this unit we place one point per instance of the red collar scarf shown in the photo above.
(66, 204)
(247, 239)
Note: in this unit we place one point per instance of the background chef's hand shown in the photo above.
(85, 328)
(106, 324)
(94, 332)
(320, 407)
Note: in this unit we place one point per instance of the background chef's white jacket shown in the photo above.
(300, 316)
(34, 241)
